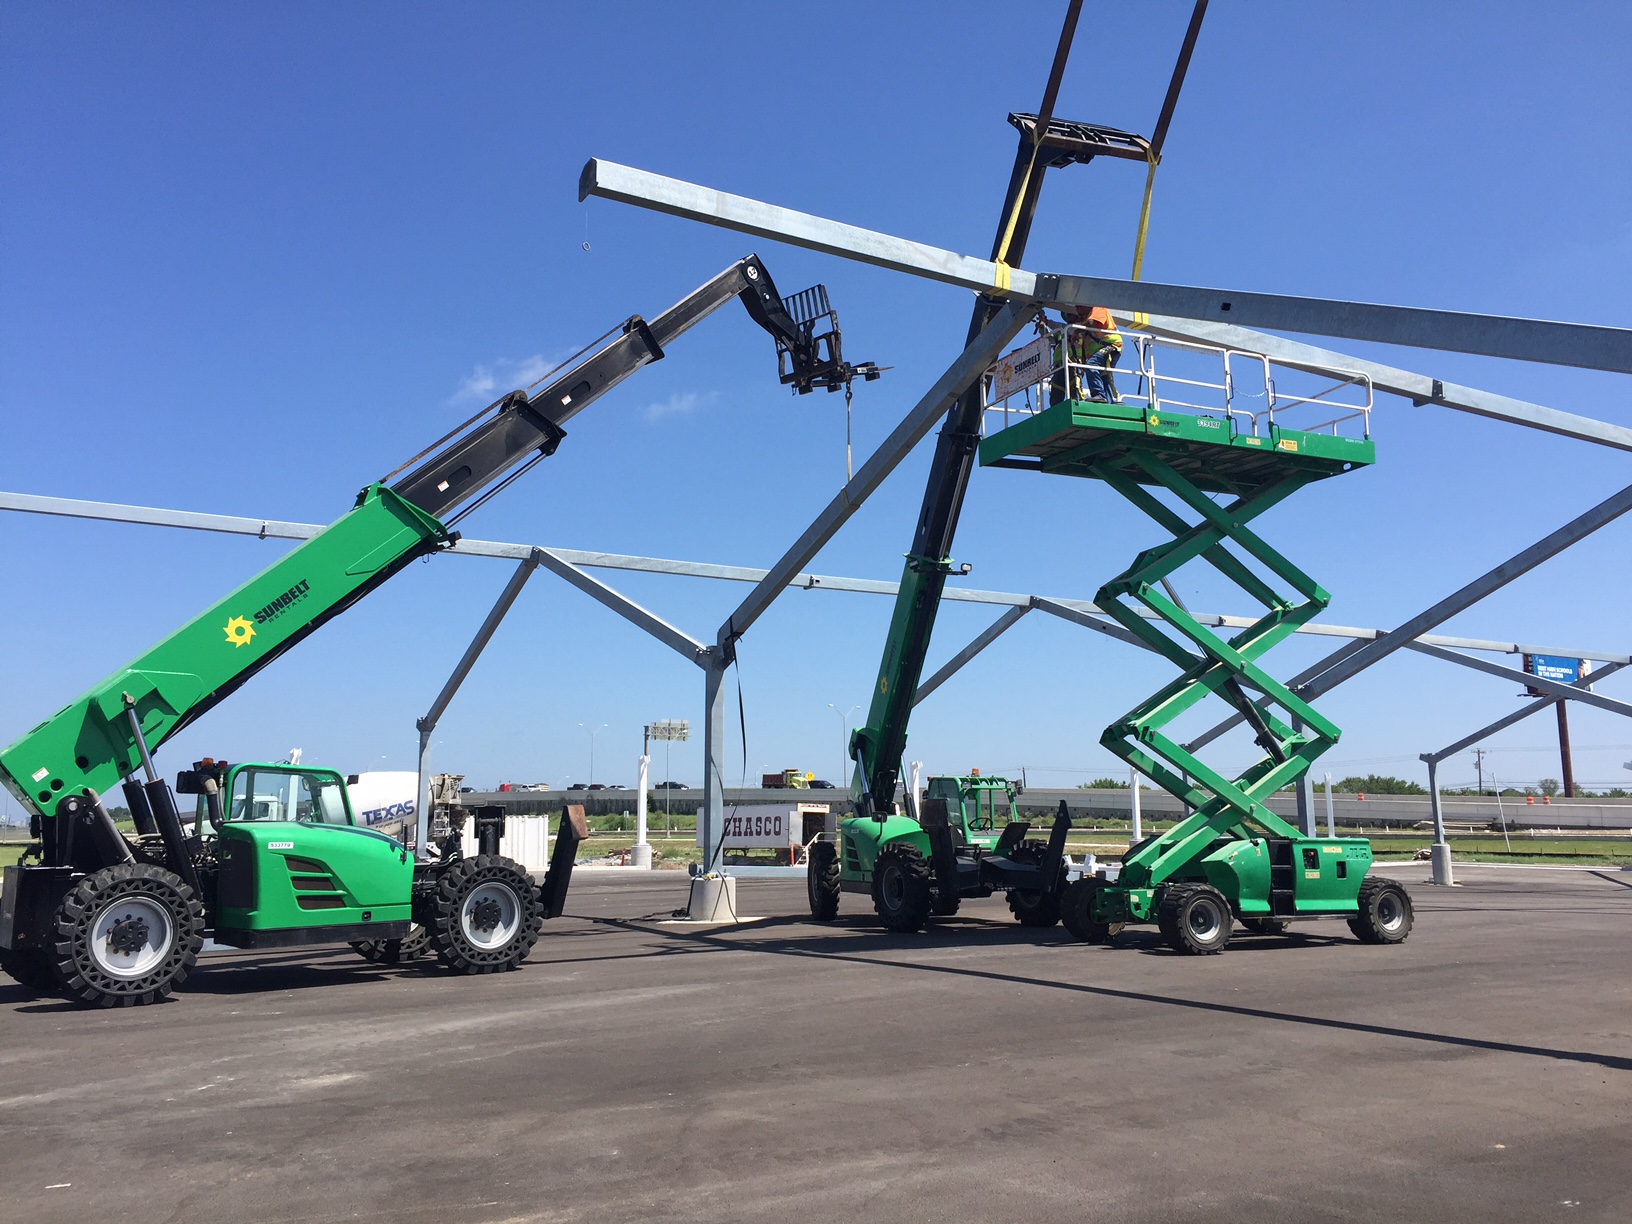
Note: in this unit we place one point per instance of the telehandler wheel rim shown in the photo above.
(490, 916)
(131, 937)
(1390, 911)
(893, 886)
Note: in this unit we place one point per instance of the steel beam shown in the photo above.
(1556, 687)
(1077, 615)
(72, 507)
(1573, 344)
(987, 636)
(1519, 715)
(147, 515)
(1419, 388)
(1343, 664)
(970, 365)
(684, 644)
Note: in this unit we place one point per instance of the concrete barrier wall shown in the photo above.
(1387, 810)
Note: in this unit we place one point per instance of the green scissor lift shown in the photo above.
(1231, 857)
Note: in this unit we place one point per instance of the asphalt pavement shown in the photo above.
(781, 1070)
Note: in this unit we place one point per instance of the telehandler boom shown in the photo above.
(275, 858)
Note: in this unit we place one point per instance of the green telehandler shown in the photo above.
(274, 857)
(968, 834)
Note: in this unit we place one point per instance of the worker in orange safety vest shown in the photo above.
(1094, 346)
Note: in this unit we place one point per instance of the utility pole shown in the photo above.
(592, 731)
(1479, 764)
(1564, 750)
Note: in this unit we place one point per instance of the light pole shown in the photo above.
(592, 731)
(844, 737)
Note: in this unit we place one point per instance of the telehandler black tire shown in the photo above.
(945, 907)
(1194, 919)
(30, 968)
(1385, 912)
(127, 935)
(415, 944)
(1076, 913)
(1267, 926)
(822, 881)
(902, 894)
(1036, 907)
(485, 915)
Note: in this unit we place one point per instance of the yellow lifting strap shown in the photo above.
(1000, 275)
(1152, 160)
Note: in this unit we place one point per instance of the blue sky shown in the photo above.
(254, 256)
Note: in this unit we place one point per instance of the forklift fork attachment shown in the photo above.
(573, 829)
(1056, 843)
(943, 854)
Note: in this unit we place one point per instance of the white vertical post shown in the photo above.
(422, 799)
(1331, 817)
(1440, 852)
(1138, 833)
(915, 775)
(642, 854)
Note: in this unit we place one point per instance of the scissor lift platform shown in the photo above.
(1089, 438)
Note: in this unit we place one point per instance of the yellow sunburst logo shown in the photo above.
(239, 631)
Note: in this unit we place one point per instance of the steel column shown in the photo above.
(711, 824)
(1441, 850)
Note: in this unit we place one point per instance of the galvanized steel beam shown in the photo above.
(1519, 715)
(986, 637)
(803, 581)
(1419, 388)
(1558, 688)
(1343, 664)
(682, 643)
(1573, 344)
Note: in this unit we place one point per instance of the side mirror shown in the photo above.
(189, 783)
(351, 779)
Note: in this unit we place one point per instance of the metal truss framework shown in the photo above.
(1216, 316)
(571, 564)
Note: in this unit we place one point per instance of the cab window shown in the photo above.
(276, 795)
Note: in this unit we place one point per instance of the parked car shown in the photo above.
(577, 786)
(671, 786)
(820, 785)
(595, 786)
